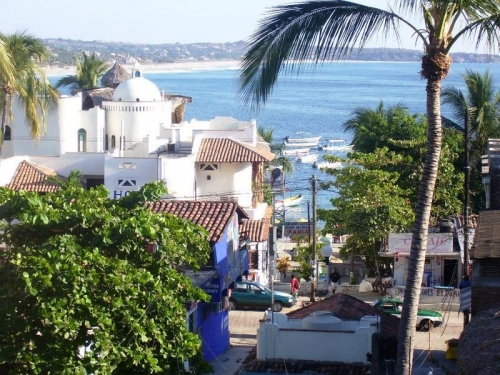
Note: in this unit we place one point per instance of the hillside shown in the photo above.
(64, 51)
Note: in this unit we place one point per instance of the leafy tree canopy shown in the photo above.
(81, 290)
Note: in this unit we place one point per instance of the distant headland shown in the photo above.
(192, 56)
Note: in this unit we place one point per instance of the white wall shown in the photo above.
(232, 179)
(284, 340)
(178, 173)
(137, 170)
(90, 164)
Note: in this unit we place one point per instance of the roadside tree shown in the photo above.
(293, 34)
(91, 284)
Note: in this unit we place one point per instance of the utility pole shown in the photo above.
(314, 259)
(466, 210)
(467, 196)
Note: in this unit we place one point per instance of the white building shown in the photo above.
(130, 140)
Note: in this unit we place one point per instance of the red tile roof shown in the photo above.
(226, 150)
(346, 307)
(33, 177)
(255, 230)
(214, 216)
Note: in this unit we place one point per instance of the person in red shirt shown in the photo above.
(294, 286)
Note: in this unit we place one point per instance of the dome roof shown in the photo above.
(137, 90)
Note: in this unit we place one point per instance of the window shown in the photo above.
(106, 144)
(113, 141)
(209, 167)
(7, 135)
(239, 287)
(82, 140)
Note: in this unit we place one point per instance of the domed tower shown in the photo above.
(135, 116)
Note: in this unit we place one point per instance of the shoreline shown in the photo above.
(185, 66)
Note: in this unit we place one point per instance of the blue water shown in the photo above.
(317, 102)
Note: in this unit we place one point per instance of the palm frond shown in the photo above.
(295, 34)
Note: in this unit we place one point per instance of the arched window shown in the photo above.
(106, 140)
(7, 136)
(113, 141)
(82, 140)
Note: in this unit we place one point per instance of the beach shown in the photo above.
(167, 67)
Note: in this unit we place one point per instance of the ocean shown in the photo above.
(316, 102)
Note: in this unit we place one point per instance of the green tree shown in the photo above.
(293, 34)
(26, 81)
(376, 128)
(481, 100)
(88, 72)
(277, 148)
(82, 270)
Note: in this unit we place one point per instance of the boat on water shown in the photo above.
(336, 145)
(328, 165)
(301, 144)
(303, 140)
(296, 151)
(307, 158)
(290, 202)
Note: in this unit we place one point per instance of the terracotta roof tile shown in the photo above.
(214, 216)
(346, 307)
(487, 237)
(226, 150)
(33, 177)
(255, 230)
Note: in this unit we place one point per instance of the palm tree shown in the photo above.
(27, 81)
(276, 148)
(88, 72)
(482, 103)
(295, 34)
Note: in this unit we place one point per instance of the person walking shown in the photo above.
(334, 280)
(294, 286)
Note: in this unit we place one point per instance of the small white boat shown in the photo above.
(308, 158)
(296, 151)
(303, 140)
(329, 165)
(290, 202)
(301, 144)
(336, 145)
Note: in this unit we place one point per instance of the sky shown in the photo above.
(155, 21)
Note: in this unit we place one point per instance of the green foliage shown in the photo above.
(21, 76)
(378, 190)
(78, 272)
(88, 71)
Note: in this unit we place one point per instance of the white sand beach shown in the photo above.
(168, 67)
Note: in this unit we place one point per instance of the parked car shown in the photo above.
(253, 295)
(425, 318)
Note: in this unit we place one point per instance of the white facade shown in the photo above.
(131, 141)
(319, 337)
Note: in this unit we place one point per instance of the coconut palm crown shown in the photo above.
(25, 81)
(88, 72)
(292, 35)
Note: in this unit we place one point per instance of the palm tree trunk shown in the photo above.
(5, 107)
(419, 240)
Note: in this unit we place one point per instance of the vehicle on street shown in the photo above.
(253, 295)
(426, 319)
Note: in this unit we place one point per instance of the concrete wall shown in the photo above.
(285, 339)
